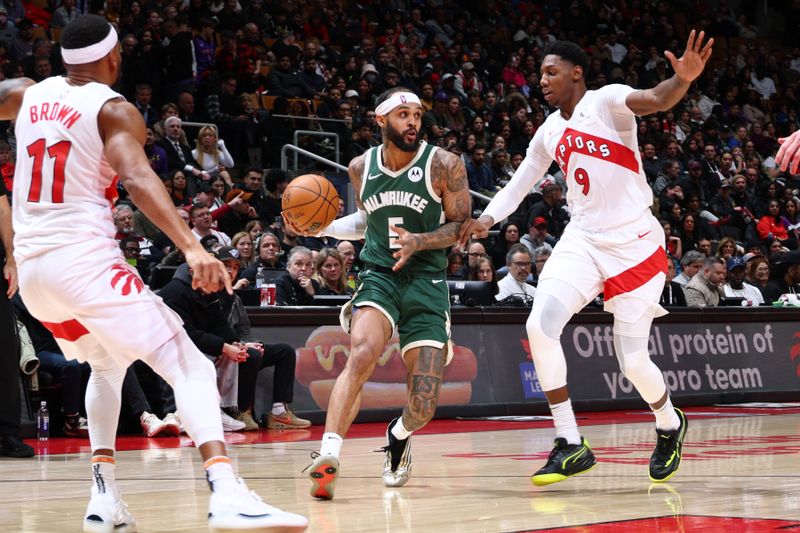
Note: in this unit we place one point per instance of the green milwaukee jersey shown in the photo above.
(404, 198)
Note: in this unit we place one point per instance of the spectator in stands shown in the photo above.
(208, 327)
(330, 273)
(200, 216)
(211, 153)
(786, 278)
(296, 286)
(705, 289)
(479, 173)
(513, 285)
(67, 373)
(669, 175)
(672, 295)
(178, 187)
(314, 85)
(22, 45)
(269, 256)
(454, 115)
(259, 356)
(537, 235)
(179, 155)
(254, 228)
(132, 253)
(244, 246)
(770, 227)
(735, 286)
(235, 220)
(134, 397)
(506, 239)
(483, 270)
(455, 264)
(551, 208)
(63, 14)
(691, 263)
(179, 55)
(726, 248)
(540, 256)
(205, 49)
(142, 96)
(155, 154)
(275, 181)
(282, 80)
(758, 272)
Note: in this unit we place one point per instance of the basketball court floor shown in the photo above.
(740, 473)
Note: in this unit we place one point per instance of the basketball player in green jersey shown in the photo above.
(411, 198)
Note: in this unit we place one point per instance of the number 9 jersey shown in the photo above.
(63, 185)
(598, 152)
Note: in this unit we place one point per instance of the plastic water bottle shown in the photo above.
(259, 277)
(43, 422)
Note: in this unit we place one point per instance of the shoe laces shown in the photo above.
(664, 443)
(314, 455)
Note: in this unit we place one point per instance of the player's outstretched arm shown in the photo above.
(669, 92)
(11, 93)
(788, 155)
(353, 226)
(123, 131)
(449, 177)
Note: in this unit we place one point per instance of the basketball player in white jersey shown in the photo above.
(613, 244)
(76, 137)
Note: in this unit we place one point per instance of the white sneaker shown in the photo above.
(229, 423)
(172, 425)
(242, 510)
(152, 426)
(107, 513)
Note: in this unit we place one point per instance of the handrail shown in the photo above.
(314, 117)
(313, 133)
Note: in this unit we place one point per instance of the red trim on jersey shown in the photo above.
(69, 330)
(111, 193)
(574, 141)
(636, 276)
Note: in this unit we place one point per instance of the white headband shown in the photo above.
(93, 52)
(396, 100)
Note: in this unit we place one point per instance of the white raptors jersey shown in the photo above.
(63, 185)
(597, 150)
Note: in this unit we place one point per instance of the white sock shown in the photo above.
(278, 408)
(564, 420)
(331, 444)
(103, 467)
(666, 417)
(220, 473)
(399, 430)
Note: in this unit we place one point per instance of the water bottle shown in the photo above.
(259, 277)
(43, 422)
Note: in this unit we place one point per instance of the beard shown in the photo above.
(398, 139)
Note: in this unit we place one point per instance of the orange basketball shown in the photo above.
(310, 202)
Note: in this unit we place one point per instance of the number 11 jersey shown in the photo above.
(63, 185)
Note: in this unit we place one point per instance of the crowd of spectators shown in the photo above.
(222, 85)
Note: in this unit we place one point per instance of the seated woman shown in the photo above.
(296, 286)
(269, 258)
(178, 187)
(212, 155)
(330, 272)
(726, 248)
(483, 270)
(244, 244)
(455, 264)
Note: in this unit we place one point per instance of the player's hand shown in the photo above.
(409, 244)
(10, 273)
(475, 229)
(789, 153)
(694, 58)
(208, 274)
(303, 233)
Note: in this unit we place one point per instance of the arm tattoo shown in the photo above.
(425, 382)
(356, 172)
(450, 181)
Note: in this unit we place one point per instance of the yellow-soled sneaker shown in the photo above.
(666, 457)
(565, 460)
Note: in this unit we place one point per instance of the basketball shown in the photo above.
(310, 202)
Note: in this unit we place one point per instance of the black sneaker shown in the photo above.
(565, 460)
(12, 446)
(667, 456)
(397, 465)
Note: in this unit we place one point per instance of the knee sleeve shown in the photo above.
(634, 360)
(544, 326)
(193, 378)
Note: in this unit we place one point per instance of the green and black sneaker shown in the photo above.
(565, 460)
(667, 456)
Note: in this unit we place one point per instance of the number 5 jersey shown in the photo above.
(63, 185)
